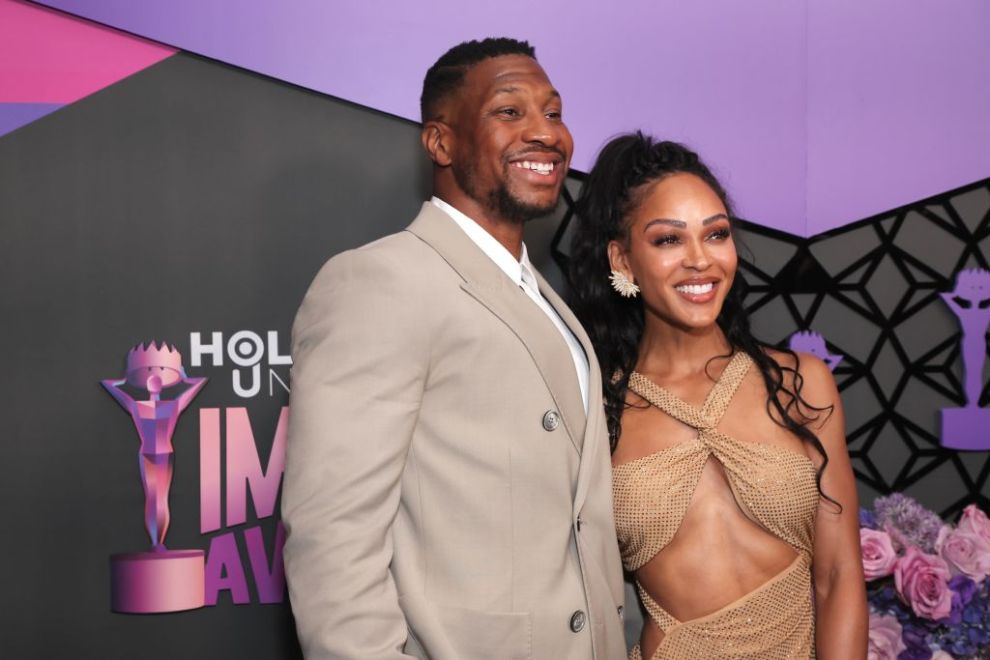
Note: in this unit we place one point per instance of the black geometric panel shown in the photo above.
(872, 290)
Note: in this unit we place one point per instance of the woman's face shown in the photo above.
(680, 251)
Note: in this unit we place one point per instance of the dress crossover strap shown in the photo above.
(716, 403)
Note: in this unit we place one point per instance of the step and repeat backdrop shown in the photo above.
(161, 219)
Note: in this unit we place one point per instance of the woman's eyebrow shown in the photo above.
(680, 224)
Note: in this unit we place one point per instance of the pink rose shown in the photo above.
(922, 580)
(964, 552)
(885, 638)
(878, 553)
(975, 522)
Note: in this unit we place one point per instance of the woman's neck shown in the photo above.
(667, 351)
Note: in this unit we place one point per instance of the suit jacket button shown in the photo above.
(578, 619)
(551, 420)
(619, 610)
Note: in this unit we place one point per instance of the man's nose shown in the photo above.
(542, 129)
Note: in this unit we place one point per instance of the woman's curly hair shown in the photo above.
(617, 183)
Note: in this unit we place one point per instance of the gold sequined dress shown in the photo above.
(774, 487)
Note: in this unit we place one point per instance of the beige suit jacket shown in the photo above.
(445, 494)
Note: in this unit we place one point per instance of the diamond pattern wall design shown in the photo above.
(872, 289)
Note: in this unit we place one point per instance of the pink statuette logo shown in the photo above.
(807, 341)
(966, 428)
(158, 580)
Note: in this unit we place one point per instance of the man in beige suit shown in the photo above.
(447, 490)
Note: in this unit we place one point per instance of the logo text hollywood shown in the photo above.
(246, 350)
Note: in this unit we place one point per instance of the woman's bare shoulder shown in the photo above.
(817, 386)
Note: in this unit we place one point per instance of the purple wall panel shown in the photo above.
(898, 101)
(687, 72)
(816, 113)
(15, 115)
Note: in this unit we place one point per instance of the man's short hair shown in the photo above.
(447, 74)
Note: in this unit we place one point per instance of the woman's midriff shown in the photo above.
(717, 556)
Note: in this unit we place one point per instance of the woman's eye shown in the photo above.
(719, 234)
(508, 112)
(666, 239)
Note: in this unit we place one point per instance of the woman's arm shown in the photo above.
(840, 591)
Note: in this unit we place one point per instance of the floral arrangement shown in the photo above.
(927, 581)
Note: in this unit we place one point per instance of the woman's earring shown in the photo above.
(623, 285)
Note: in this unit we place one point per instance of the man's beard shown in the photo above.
(500, 199)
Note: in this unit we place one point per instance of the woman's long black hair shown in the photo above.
(615, 185)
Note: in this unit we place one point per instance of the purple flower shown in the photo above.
(963, 590)
(942, 580)
(907, 521)
(965, 551)
(885, 598)
(915, 653)
(877, 552)
(916, 643)
(922, 581)
(974, 521)
(961, 646)
(884, 638)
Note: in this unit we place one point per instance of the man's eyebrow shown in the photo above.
(554, 94)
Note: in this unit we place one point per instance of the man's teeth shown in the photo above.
(539, 168)
(695, 289)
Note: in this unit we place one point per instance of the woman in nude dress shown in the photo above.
(735, 502)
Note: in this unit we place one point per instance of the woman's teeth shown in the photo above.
(695, 289)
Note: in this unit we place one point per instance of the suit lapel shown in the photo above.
(593, 437)
(484, 281)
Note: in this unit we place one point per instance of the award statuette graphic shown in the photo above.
(968, 428)
(807, 341)
(159, 580)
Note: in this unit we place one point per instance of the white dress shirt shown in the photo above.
(521, 272)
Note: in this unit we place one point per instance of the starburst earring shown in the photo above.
(623, 285)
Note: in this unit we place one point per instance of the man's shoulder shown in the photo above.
(400, 258)
(393, 274)
(400, 244)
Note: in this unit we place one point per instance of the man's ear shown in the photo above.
(437, 139)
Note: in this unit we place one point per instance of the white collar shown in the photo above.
(518, 271)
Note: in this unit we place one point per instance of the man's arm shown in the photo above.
(360, 353)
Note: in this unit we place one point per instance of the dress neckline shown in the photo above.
(716, 401)
(705, 418)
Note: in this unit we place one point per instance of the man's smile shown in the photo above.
(540, 168)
